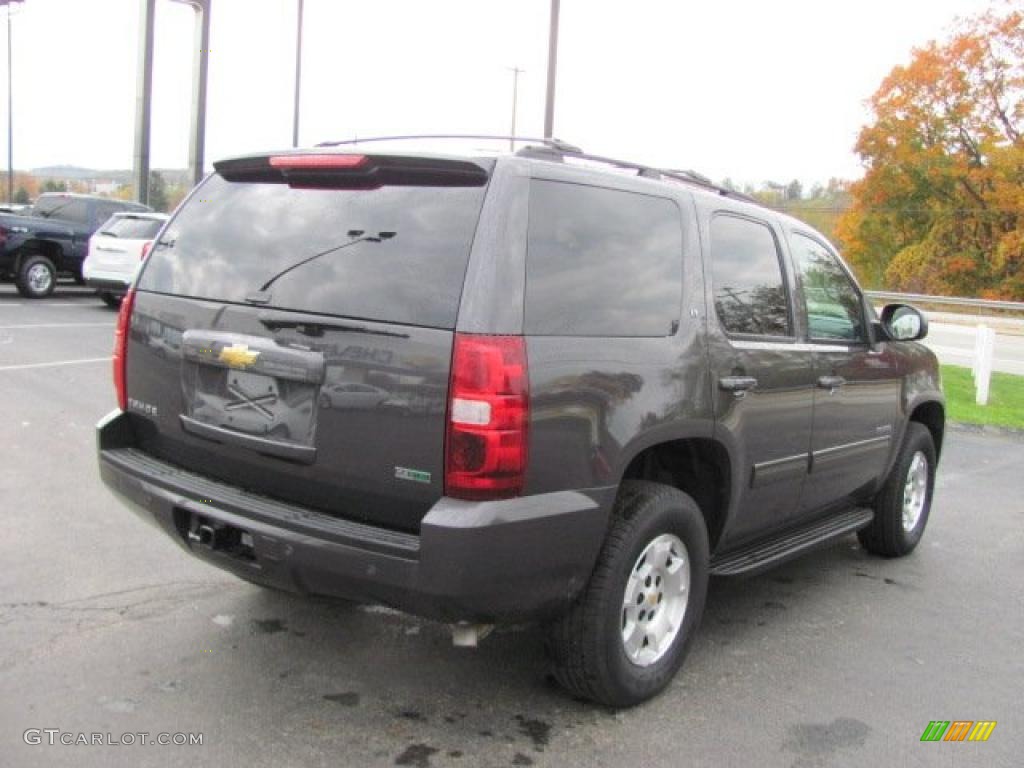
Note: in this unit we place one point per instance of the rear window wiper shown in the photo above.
(262, 294)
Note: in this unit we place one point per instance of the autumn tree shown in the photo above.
(941, 206)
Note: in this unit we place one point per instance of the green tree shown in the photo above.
(21, 196)
(157, 191)
(941, 206)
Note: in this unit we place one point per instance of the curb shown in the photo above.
(987, 430)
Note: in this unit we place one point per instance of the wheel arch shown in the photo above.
(932, 414)
(47, 248)
(699, 466)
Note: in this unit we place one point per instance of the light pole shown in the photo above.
(549, 110)
(10, 107)
(298, 74)
(516, 71)
(144, 93)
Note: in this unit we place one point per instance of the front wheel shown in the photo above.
(627, 634)
(904, 503)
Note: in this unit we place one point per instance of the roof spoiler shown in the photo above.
(336, 170)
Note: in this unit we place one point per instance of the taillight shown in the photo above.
(488, 415)
(146, 247)
(3, 236)
(124, 320)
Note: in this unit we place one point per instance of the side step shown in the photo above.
(783, 546)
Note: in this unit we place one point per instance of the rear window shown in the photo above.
(407, 265)
(62, 207)
(130, 228)
(602, 262)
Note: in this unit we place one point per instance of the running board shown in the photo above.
(783, 546)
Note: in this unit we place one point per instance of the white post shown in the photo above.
(983, 362)
(979, 337)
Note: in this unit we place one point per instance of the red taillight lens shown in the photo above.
(286, 162)
(146, 248)
(488, 416)
(124, 320)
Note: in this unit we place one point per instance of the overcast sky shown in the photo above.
(742, 89)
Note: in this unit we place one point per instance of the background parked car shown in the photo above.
(51, 238)
(116, 250)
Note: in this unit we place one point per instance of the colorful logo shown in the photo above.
(958, 730)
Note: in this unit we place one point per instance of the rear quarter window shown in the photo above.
(234, 236)
(602, 262)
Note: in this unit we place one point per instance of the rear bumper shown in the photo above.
(472, 561)
(117, 287)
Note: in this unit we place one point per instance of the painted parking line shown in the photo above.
(55, 364)
(57, 325)
(71, 304)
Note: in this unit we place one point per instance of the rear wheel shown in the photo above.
(903, 504)
(626, 636)
(112, 300)
(37, 277)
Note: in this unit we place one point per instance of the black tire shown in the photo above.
(887, 535)
(110, 299)
(586, 645)
(30, 280)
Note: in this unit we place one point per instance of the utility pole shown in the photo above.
(10, 115)
(143, 100)
(516, 71)
(200, 68)
(298, 74)
(10, 106)
(144, 93)
(549, 110)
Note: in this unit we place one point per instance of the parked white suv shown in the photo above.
(116, 251)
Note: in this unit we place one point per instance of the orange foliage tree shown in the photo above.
(941, 206)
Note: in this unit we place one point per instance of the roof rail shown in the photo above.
(556, 144)
(559, 154)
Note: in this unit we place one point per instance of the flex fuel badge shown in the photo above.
(416, 475)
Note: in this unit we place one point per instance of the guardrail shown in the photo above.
(952, 301)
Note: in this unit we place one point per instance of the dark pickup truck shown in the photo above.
(52, 237)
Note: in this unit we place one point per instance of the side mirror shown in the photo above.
(902, 322)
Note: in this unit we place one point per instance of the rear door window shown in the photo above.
(395, 254)
(602, 262)
(746, 272)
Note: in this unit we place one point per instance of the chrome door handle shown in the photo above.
(737, 384)
(831, 383)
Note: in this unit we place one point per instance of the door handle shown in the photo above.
(831, 383)
(737, 384)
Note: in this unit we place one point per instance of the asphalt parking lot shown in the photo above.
(835, 659)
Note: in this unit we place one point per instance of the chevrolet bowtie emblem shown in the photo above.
(238, 356)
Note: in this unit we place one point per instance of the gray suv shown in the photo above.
(594, 385)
